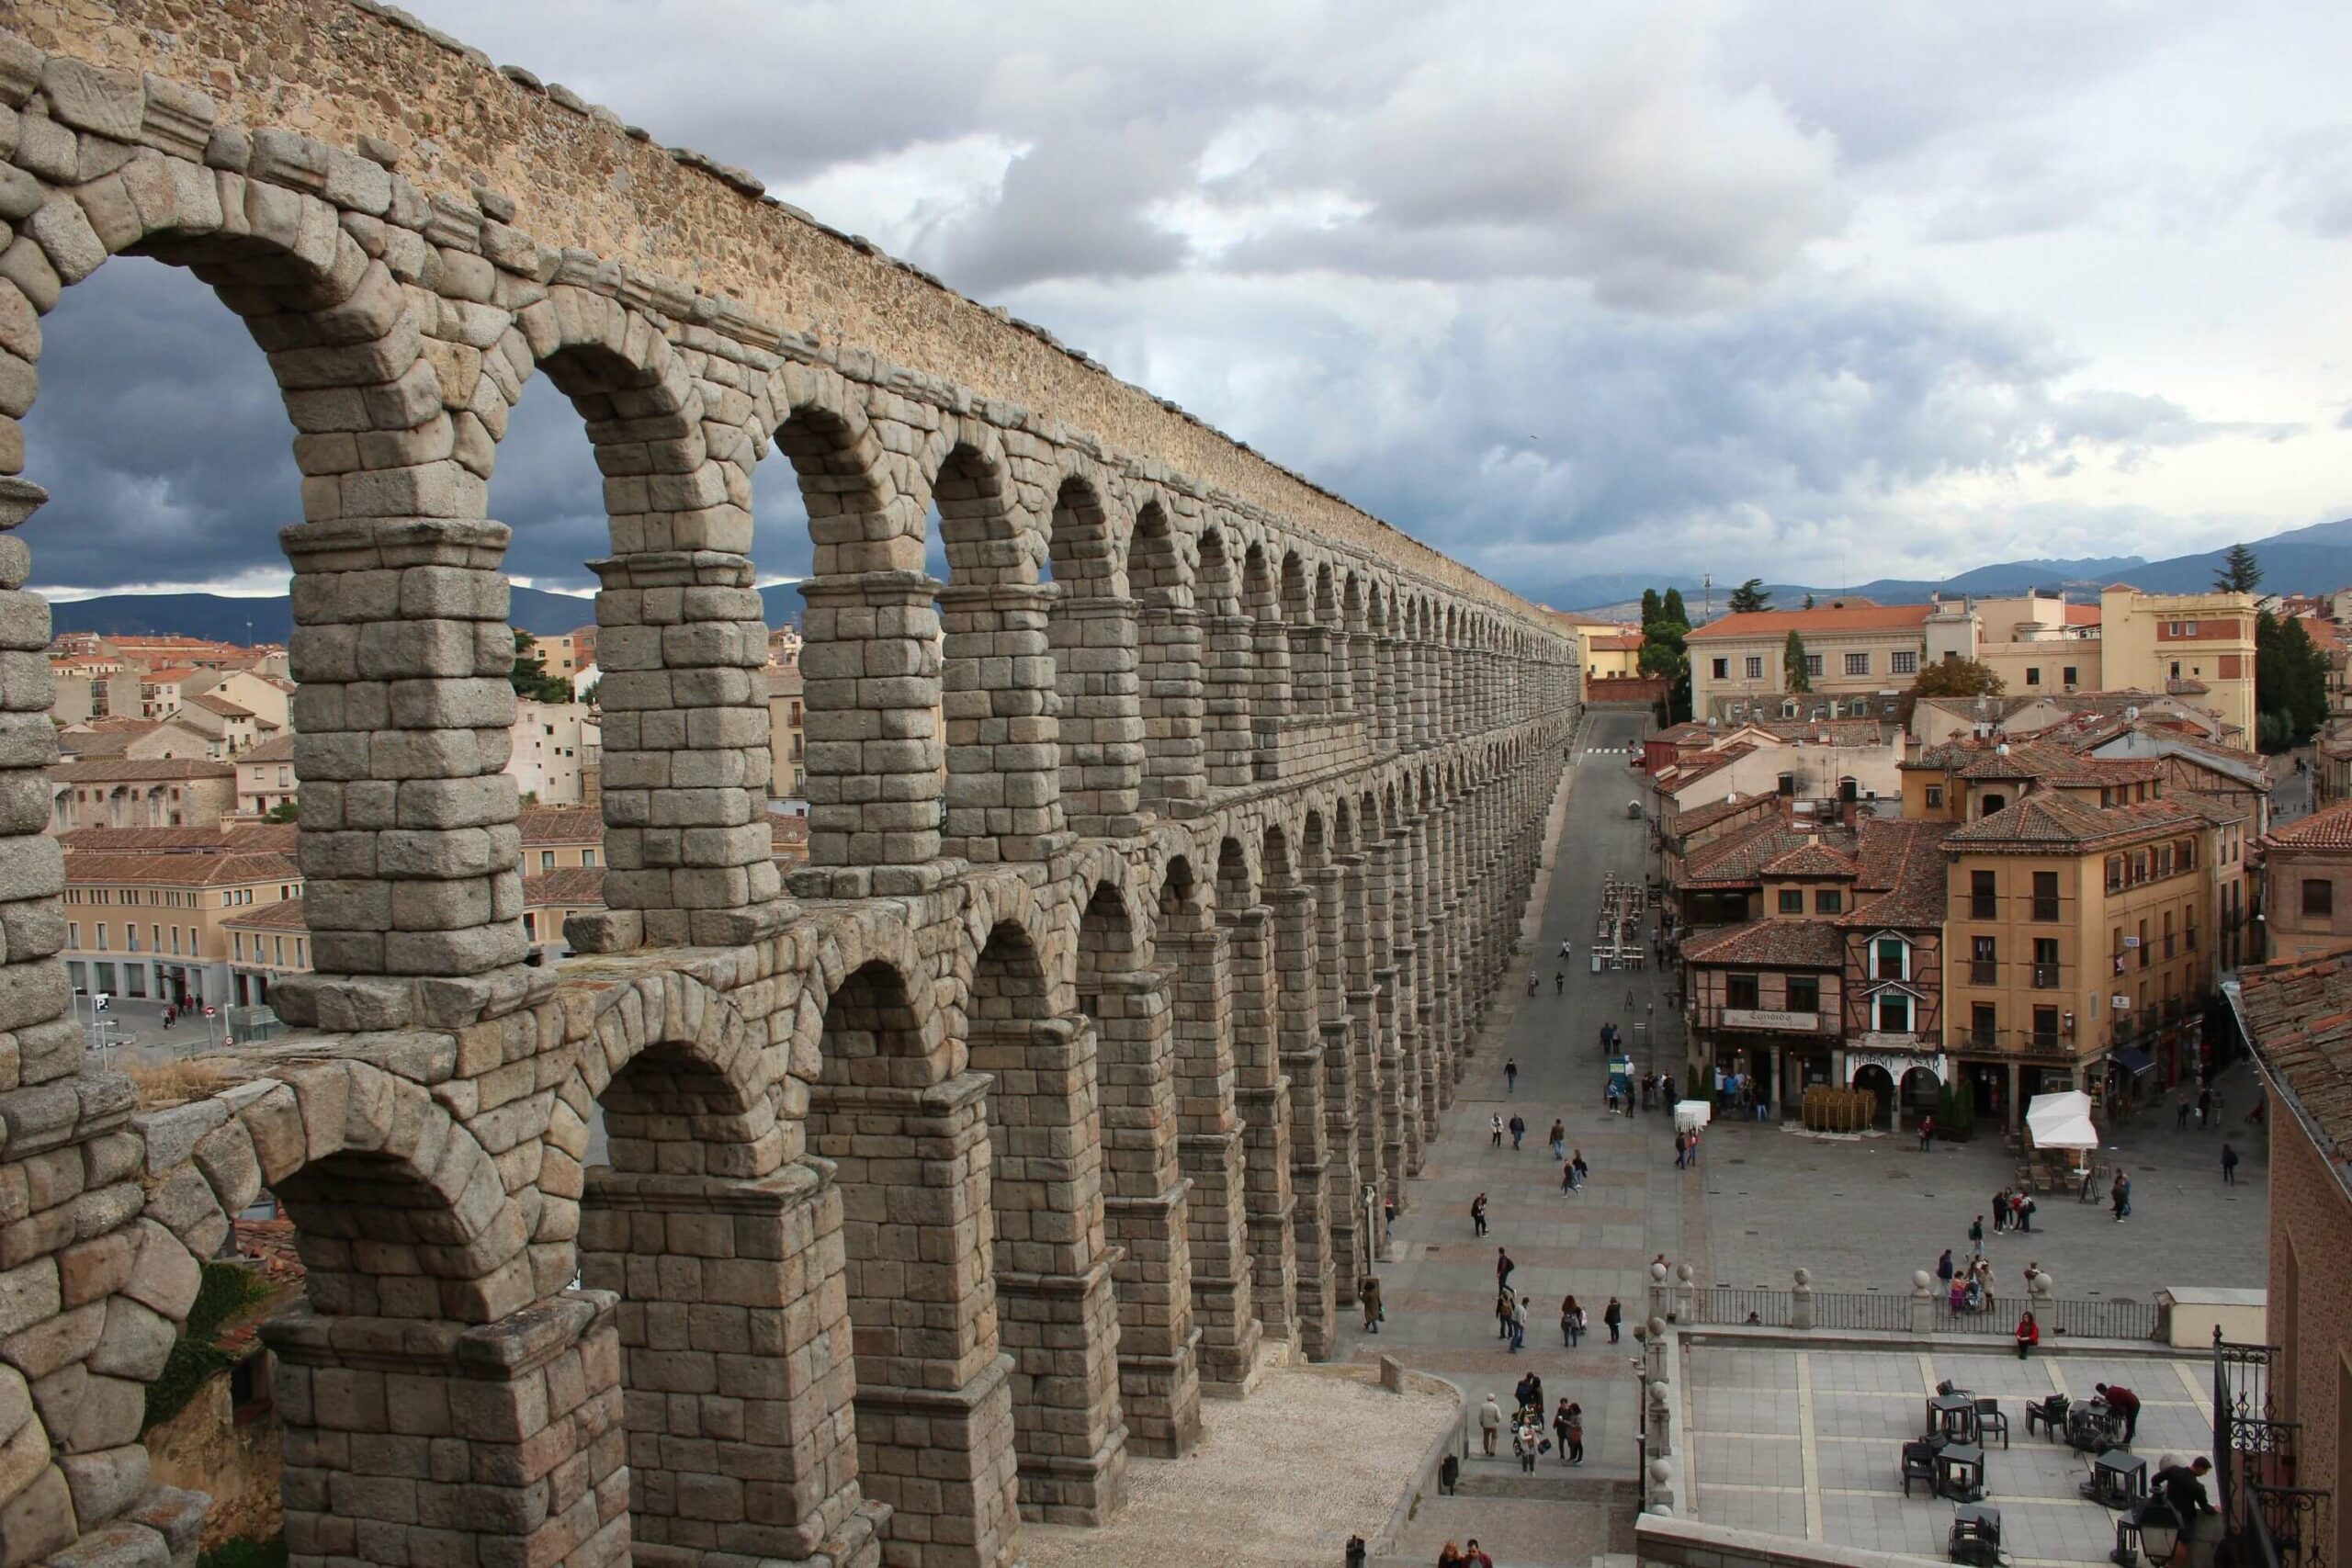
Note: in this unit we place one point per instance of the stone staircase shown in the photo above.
(1526, 1522)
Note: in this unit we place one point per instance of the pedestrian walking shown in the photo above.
(2180, 1112)
(1502, 1312)
(1612, 1318)
(1368, 1292)
(1568, 1176)
(1576, 1433)
(1510, 1075)
(1518, 1129)
(1690, 1155)
(1497, 1122)
(1503, 1267)
(1525, 1440)
(1560, 1425)
(1559, 982)
(2121, 1196)
(1479, 1216)
(2029, 1335)
(1927, 1133)
(1681, 1148)
(2229, 1165)
(1976, 1235)
(1563, 949)
(1571, 1322)
(1582, 1169)
(2000, 1210)
(1491, 1427)
(1518, 1324)
(1449, 1476)
(2204, 1108)
(1559, 1139)
(1943, 1267)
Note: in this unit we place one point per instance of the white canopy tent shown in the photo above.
(1690, 1115)
(2061, 1120)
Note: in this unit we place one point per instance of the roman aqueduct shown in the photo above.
(1079, 1062)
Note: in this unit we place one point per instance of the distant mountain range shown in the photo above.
(2312, 560)
(224, 619)
(2316, 559)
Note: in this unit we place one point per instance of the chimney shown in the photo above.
(591, 784)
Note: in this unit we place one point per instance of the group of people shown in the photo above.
(1968, 1284)
(1526, 1424)
(1686, 1148)
(2012, 1210)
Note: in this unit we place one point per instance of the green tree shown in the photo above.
(1957, 678)
(283, 811)
(1808, 601)
(529, 675)
(1792, 665)
(2240, 573)
(2289, 683)
(1749, 597)
(1651, 607)
(1671, 609)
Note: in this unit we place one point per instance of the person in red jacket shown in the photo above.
(2126, 1405)
(2029, 1336)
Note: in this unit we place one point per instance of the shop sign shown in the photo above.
(1764, 1018)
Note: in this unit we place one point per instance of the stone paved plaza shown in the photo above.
(1895, 1208)
(1806, 1443)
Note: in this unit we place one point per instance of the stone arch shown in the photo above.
(1093, 632)
(1229, 717)
(910, 1145)
(1169, 676)
(1269, 642)
(1054, 1291)
(999, 696)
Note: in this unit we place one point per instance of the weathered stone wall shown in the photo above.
(1051, 1089)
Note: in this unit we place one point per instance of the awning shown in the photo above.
(2061, 1120)
(2134, 1060)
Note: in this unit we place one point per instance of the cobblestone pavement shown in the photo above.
(1891, 1208)
(1284, 1477)
(1440, 1285)
(1807, 1443)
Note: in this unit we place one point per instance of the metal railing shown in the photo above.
(2090, 1319)
(1860, 1309)
(1890, 1313)
(2270, 1520)
(1725, 1303)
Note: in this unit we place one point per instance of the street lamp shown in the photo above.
(2159, 1529)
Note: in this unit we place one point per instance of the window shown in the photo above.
(277, 949)
(1791, 900)
(2045, 895)
(1813, 664)
(1720, 668)
(102, 936)
(1858, 664)
(2114, 872)
(1804, 993)
(2045, 963)
(2144, 949)
(2169, 937)
(72, 933)
(1935, 796)
(1982, 899)
(1984, 965)
(130, 937)
(2069, 676)
(2319, 900)
(530, 927)
(2045, 1027)
(1755, 667)
(2033, 674)
(546, 860)
(1740, 991)
(237, 944)
(1894, 1013)
(1984, 1028)
(1828, 900)
(1891, 957)
(1903, 662)
(587, 857)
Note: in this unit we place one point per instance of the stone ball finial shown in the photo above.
(1658, 1391)
(1682, 1272)
(1662, 1510)
(1641, 1333)
(1919, 1280)
(1658, 1328)
(1657, 1273)
(2042, 1285)
(1805, 1279)
(1661, 1470)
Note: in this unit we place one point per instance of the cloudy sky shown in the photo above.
(1818, 290)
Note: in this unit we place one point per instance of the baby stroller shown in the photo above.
(2092, 1428)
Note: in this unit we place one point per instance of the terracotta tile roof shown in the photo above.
(279, 749)
(2329, 827)
(571, 886)
(2049, 820)
(2300, 1016)
(1690, 768)
(260, 838)
(1902, 880)
(2082, 614)
(561, 825)
(1703, 816)
(786, 680)
(271, 1243)
(1809, 860)
(1847, 617)
(2322, 633)
(1616, 642)
(179, 870)
(155, 770)
(1738, 857)
(286, 915)
(166, 677)
(221, 706)
(1800, 945)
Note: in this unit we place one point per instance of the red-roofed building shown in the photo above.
(1858, 655)
(2307, 885)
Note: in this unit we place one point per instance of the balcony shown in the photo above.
(1984, 972)
(2267, 1520)
(2045, 976)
